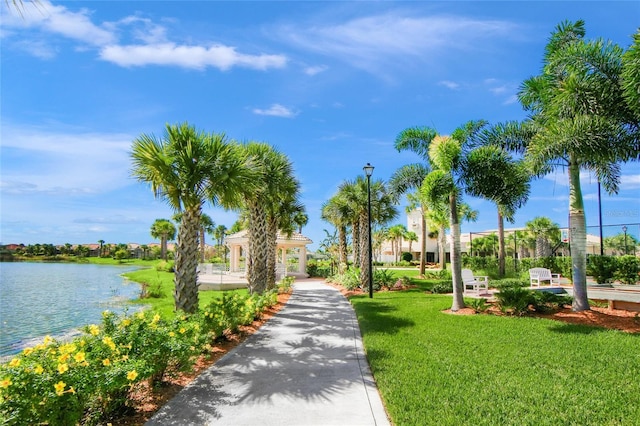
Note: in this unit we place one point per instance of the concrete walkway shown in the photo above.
(305, 366)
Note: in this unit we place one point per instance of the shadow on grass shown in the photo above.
(377, 317)
(565, 328)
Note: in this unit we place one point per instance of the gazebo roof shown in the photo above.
(295, 238)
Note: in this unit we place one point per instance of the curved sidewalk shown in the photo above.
(305, 366)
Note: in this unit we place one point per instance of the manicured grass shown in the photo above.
(436, 368)
(165, 305)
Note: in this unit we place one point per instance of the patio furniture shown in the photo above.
(474, 284)
(537, 276)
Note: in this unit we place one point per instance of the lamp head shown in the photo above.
(368, 169)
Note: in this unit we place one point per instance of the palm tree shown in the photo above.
(219, 233)
(411, 237)
(491, 173)
(581, 121)
(410, 177)
(207, 226)
(395, 234)
(338, 212)
(101, 242)
(187, 168)
(446, 182)
(545, 232)
(165, 231)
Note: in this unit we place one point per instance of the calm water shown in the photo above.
(37, 299)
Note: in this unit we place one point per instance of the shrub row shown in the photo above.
(89, 379)
(605, 269)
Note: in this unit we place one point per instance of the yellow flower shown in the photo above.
(5, 383)
(63, 368)
(63, 358)
(131, 375)
(182, 330)
(15, 362)
(126, 322)
(38, 369)
(125, 357)
(172, 334)
(106, 362)
(27, 351)
(47, 340)
(59, 387)
(68, 348)
(79, 357)
(71, 390)
(140, 315)
(94, 329)
(109, 342)
(156, 318)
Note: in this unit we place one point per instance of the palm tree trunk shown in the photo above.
(355, 230)
(442, 237)
(501, 247)
(186, 286)
(272, 244)
(163, 247)
(342, 248)
(202, 244)
(423, 246)
(578, 230)
(364, 251)
(456, 266)
(257, 259)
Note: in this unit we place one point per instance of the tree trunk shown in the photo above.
(456, 266)
(342, 249)
(355, 230)
(186, 285)
(257, 256)
(501, 247)
(364, 252)
(442, 237)
(423, 248)
(201, 244)
(578, 238)
(163, 247)
(272, 244)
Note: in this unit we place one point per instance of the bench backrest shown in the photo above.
(467, 275)
(540, 273)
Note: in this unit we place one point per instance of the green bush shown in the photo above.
(165, 266)
(383, 278)
(319, 268)
(628, 269)
(477, 304)
(350, 279)
(548, 302)
(406, 256)
(601, 268)
(514, 300)
(442, 287)
(510, 283)
(437, 275)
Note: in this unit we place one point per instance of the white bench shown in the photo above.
(539, 275)
(474, 284)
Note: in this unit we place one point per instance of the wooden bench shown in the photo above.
(474, 284)
(539, 275)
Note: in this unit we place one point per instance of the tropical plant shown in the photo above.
(187, 168)
(337, 211)
(165, 230)
(410, 177)
(581, 120)
(546, 234)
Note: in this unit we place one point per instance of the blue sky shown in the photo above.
(330, 84)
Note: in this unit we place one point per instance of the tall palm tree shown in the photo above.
(396, 234)
(207, 226)
(446, 182)
(410, 177)
(411, 237)
(491, 173)
(165, 231)
(219, 233)
(545, 232)
(337, 211)
(582, 121)
(188, 168)
(101, 242)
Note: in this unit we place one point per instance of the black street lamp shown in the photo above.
(624, 229)
(368, 170)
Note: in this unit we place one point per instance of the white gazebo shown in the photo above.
(286, 246)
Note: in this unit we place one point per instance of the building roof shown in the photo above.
(281, 237)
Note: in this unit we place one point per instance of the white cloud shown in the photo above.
(630, 182)
(59, 20)
(372, 42)
(195, 57)
(276, 110)
(63, 163)
(315, 70)
(449, 84)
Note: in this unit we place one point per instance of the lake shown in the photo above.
(37, 299)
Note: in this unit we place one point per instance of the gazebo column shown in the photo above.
(235, 258)
(302, 260)
(283, 258)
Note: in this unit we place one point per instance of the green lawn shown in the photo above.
(165, 305)
(435, 368)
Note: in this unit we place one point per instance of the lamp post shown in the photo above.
(624, 229)
(368, 170)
